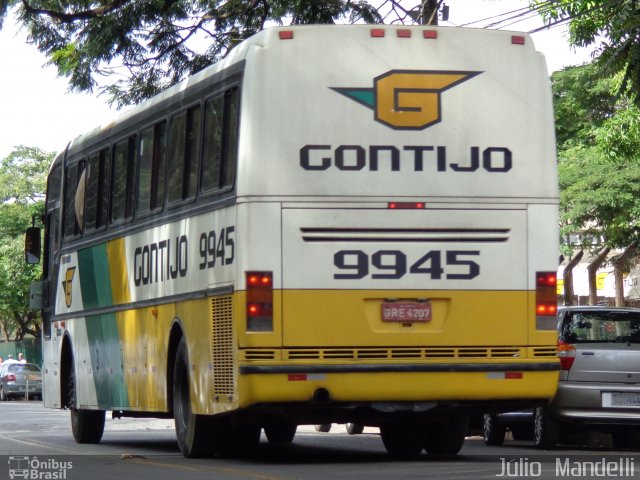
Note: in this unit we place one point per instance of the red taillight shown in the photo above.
(10, 378)
(406, 205)
(546, 299)
(567, 354)
(259, 301)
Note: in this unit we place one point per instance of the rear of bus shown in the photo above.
(397, 203)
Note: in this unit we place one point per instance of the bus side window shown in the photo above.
(152, 167)
(73, 200)
(124, 156)
(95, 214)
(184, 154)
(221, 142)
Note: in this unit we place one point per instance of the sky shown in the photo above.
(37, 110)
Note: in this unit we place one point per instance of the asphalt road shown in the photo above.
(37, 443)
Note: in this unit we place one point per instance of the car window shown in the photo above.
(29, 367)
(588, 327)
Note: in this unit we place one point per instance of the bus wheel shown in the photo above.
(402, 440)
(191, 429)
(492, 432)
(87, 426)
(281, 432)
(446, 438)
(323, 427)
(355, 428)
(545, 430)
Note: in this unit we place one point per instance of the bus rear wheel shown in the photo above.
(281, 432)
(402, 440)
(87, 426)
(446, 438)
(192, 430)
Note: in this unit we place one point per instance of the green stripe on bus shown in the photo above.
(107, 361)
(95, 281)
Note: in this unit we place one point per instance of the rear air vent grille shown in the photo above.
(403, 353)
(222, 347)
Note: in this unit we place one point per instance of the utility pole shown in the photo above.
(430, 12)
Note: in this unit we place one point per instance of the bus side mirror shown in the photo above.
(32, 245)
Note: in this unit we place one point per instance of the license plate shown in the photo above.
(406, 312)
(621, 399)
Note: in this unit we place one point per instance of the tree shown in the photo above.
(613, 24)
(153, 44)
(22, 184)
(598, 148)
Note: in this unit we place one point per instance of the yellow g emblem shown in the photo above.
(68, 284)
(407, 99)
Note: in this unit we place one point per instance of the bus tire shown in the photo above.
(402, 440)
(546, 432)
(281, 432)
(355, 428)
(87, 426)
(492, 432)
(323, 427)
(446, 438)
(191, 429)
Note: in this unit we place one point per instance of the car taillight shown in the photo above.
(567, 354)
(546, 300)
(259, 301)
(10, 378)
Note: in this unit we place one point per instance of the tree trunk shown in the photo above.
(592, 269)
(621, 265)
(569, 298)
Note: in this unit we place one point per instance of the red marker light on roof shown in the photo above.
(285, 34)
(517, 40)
(432, 34)
(377, 32)
(406, 205)
(404, 33)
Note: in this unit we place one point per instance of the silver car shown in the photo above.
(20, 380)
(599, 387)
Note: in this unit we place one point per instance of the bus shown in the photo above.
(347, 224)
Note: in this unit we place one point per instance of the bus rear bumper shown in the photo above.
(519, 384)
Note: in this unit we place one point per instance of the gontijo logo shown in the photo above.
(407, 99)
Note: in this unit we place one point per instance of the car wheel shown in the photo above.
(492, 432)
(522, 432)
(3, 397)
(355, 428)
(546, 431)
(323, 427)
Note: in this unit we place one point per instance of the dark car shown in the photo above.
(599, 386)
(20, 380)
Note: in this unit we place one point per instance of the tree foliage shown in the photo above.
(22, 185)
(152, 44)
(612, 25)
(598, 156)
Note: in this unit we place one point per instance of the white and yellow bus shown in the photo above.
(334, 224)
